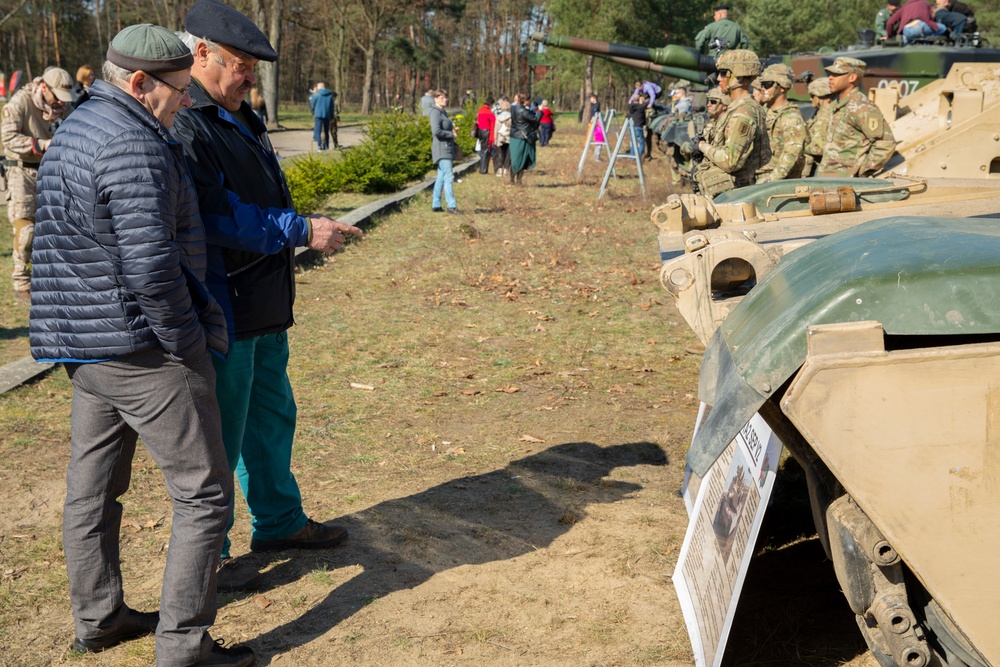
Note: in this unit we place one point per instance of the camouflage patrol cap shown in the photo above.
(819, 87)
(844, 65)
(740, 62)
(780, 74)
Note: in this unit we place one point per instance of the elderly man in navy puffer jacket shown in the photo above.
(119, 264)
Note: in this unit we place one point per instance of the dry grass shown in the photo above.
(509, 480)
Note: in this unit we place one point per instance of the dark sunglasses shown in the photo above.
(724, 72)
(767, 85)
(713, 101)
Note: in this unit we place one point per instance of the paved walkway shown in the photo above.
(291, 143)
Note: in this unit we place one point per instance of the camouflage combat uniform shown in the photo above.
(21, 129)
(858, 141)
(739, 148)
(786, 132)
(816, 128)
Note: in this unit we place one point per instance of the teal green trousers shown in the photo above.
(258, 428)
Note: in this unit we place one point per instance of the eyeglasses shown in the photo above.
(724, 72)
(713, 101)
(767, 85)
(235, 63)
(183, 91)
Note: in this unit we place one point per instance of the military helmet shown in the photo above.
(740, 62)
(819, 87)
(716, 95)
(780, 74)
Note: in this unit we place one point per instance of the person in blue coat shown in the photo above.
(321, 106)
(118, 296)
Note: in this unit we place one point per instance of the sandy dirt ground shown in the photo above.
(559, 555)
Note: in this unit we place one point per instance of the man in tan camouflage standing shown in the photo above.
(817, 126)
(739, 145)
(858, 141)
(29, 121)
(786, 130)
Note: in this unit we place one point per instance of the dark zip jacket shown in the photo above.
(251, 227)
(119, 251)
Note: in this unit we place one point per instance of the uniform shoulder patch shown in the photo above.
(871, 125)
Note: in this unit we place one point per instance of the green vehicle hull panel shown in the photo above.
(761, 192)
(917, 276)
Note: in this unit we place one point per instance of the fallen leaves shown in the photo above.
(508, 389)
(262, 601)
(471, 392)
(148, 525)
(527, 437)
(363, 387)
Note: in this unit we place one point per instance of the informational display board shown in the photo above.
(725, 516)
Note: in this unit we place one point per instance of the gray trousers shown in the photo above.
(172, 406)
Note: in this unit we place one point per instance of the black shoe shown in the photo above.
(313, 535)
(133, 624)
(453, 210)
(236, 656)
(437, 209)
(236, 575)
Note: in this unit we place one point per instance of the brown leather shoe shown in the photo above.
(313, 535)
(236, 575)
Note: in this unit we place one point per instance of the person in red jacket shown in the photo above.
(486, 124)
(546, 124)
(913, 20)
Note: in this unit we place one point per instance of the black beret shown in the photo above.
(218, 22)
(719, 8)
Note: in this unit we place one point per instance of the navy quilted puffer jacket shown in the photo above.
(119, 253)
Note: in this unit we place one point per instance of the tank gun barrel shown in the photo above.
(683, 57)
(675, 72)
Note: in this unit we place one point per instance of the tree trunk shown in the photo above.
(366, 91)
(267, 16)
(588, 88)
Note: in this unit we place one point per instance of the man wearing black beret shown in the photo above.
(253, 231)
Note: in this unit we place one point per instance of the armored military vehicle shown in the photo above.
(714, 251)
(907, 68)
(872, 354)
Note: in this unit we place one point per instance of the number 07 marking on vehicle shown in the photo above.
(906, 86)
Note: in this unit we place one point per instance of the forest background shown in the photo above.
(380, 54)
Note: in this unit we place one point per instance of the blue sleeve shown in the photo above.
(250, 227)
(229, 221)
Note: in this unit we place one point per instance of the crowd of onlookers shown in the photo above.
(506, 132)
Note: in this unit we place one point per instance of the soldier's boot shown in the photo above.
(24, 235)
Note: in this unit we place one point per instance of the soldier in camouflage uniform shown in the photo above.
(28, 123)
(817, 126)
(725, 30)
(786, 130)
(858, 141)
(717, 102)
(739, 145)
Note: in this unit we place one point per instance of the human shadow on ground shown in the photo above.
(403, 542)
(13, 333)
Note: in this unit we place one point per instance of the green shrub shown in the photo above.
(396, 150)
